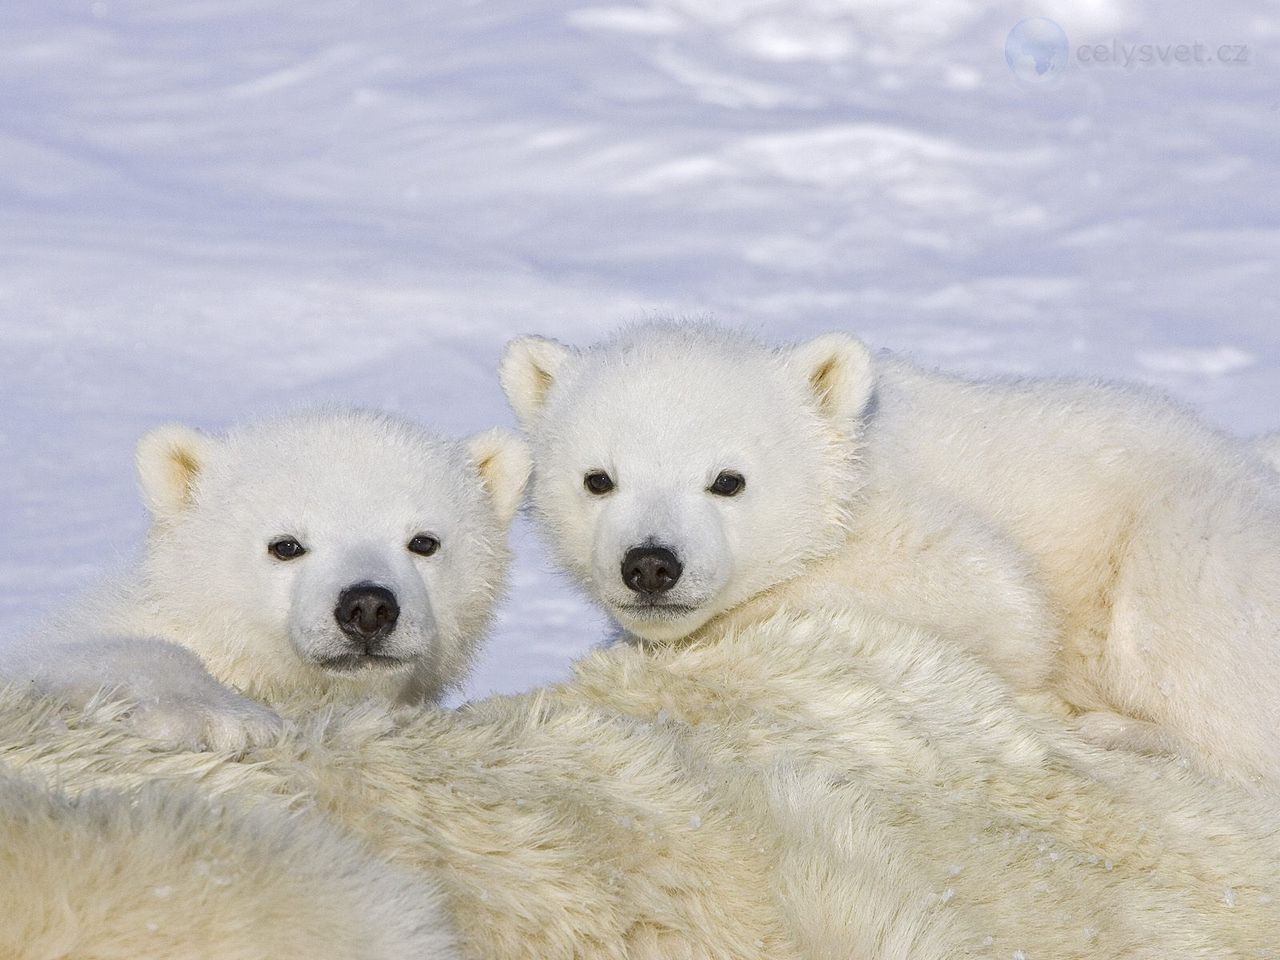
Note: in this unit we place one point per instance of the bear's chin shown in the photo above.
(346, 664)
(659, 623)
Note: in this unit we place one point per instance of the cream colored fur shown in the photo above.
(1269, 447)
(1104, 550)
(164, 873)
(210, 605)
(1153, 535)
(818, 786)
(665, 408)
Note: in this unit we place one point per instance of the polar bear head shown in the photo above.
(335, 550)
(680, 470)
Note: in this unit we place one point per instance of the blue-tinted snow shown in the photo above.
(216, 208)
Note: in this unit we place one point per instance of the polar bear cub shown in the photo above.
(1095, 543)
(689, 477)
(342, 552)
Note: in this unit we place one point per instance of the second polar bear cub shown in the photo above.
(344, 552)
(1093, 543)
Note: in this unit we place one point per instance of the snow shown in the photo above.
(218, 208)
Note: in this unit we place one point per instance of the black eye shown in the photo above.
(598, 482)
(286, 548)
(424, 545)
(728, 484)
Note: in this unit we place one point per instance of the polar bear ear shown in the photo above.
(837, 372)
(527, 372)
(169, 460)
(502, 459)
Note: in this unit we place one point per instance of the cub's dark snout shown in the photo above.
(367, 612)
(651, 570)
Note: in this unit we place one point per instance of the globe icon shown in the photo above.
(1036, 51)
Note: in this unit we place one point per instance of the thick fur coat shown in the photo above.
(217, 601)
(1269, 448)
(168, 874)
(820, 786)
(1103, 549)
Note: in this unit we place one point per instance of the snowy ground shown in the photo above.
(214, 208)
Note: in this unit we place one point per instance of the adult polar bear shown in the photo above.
(817, 786)
(1092, 541)
(334, 550)
(167, 874)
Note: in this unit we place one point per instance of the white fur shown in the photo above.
(168, 874)
(353, 488)
(1092, 542)
(665, 409)
(1269, 448)
(815, 786)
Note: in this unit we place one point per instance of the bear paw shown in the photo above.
(165, 690)
(231, 723)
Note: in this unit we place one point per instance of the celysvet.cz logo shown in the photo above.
(1131, 55)
(1038, 53)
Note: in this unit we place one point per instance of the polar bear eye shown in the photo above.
(286, 548)
(424, 545)
(598, 482)
(727, 484)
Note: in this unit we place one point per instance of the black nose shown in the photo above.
(367, 612)
(650, 569)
